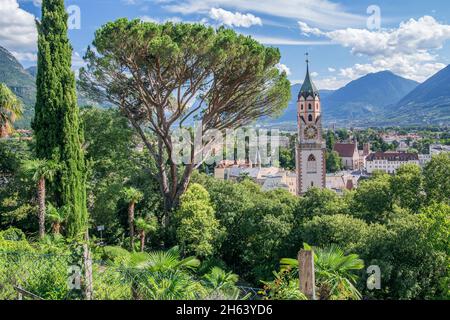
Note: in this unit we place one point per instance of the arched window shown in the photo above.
(311, 165)
(310, 118)
(310, 106)
(301, 106)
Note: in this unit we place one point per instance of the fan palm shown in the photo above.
(41, 171)
(221, 283)
(162, 275)
(334, 272)
(10, 110)
(145, 226)
(132, 196)
(56, 218)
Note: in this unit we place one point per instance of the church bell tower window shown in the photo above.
(311, 166)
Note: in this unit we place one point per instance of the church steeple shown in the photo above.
(308, 88)
(311, 149)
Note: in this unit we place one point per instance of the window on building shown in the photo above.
(310, 118)
(301, 106)
(311, 165)
(310, 106)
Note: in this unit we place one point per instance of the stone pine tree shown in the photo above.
(56, 125)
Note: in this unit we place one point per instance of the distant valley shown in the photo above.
(378, 99)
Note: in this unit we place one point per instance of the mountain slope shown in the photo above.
(20, 82)
(32, 71)
(428, 103)
(23, 83)
(366, 96)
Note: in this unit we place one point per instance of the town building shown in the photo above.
(310, 149)
(286, 180)
(349, 154)
(341, 181)
(389, 162)
(269, 178)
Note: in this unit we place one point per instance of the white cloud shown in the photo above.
(319, 13)
(330, 83)
(307, 30)
(331, 69)
(17, 28)
(236, 19)
(407, 50)
(284, 68)
(314, 74)
(159, 20)
(25, 56)
(289, 42)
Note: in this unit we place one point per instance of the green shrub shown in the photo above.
(13, 234)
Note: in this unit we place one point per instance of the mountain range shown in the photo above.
(23, 83)
(429, 102)
(20, 82)
(376, 99)
(382, 99)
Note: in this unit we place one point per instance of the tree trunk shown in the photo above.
(56, 228)
(131, 223)
(41, 200)
(3, 131)
(142, 235)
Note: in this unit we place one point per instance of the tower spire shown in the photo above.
(307, 61)
(308, 88)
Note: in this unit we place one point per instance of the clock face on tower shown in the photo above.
(310, 132)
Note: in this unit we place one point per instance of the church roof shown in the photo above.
(308, 88)
(345, 150)
(393, 156)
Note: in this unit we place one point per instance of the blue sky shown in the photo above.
(412, 38)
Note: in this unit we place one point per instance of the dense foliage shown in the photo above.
(155, 72)
(56, 124)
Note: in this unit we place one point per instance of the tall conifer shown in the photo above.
(56, 125)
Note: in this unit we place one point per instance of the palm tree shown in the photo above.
(132, 196)
(221, 283)
(10, 110)
(40, 172)
(145, 226)
(334, 272)
(162, 275)
(56, 218)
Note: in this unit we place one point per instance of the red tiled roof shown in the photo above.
(345, 150)
(393, 156)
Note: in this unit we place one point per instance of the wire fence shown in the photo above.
(28, 276)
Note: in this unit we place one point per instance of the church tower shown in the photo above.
(311, 149)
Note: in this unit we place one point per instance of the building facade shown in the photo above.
(349, 154)
(389, 162)
(310, 149)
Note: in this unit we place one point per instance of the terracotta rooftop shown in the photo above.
(345, 150)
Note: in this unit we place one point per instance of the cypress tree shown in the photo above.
(56, 125)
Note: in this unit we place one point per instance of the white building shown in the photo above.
(341, 181)
(389, 162)
(286, 180)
